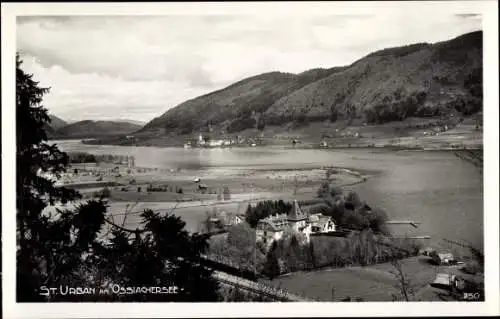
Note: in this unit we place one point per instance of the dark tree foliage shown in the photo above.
(240, 124)
(352, 200)
(399, 51)
(272, 266)
(81, 157)
(164, 254)
(66, 248)
(264, 209)
(227, 193)
(34, 192)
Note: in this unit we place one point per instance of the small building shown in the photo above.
(215, 222)
(215, 143)
(202, 186)
(441, 258)
(201, 140)
(232, 219)
(444, 280)
(426, 251)
(321, 224)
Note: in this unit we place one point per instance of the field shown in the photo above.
(370, 283)
(127, 188)
(131, 184)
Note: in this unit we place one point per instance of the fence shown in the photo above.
(275, 293)
(228, 266)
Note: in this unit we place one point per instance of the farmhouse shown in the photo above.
(441, 258)
(230, 219)
(321, 224)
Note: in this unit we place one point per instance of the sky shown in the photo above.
(137, 67)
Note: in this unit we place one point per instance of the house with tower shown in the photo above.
(296, 220)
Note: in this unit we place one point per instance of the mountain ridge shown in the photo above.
(421, 80)
(95, 128)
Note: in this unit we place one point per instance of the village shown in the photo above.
(207, 142)
(273, 227)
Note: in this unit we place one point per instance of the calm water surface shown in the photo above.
(441, 191)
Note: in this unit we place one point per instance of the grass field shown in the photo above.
(371, 283)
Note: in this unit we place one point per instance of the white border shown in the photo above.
(489, 12)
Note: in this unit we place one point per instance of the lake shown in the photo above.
(435, 188)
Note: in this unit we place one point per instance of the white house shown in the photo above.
(229, 219)
(215, 143)
(272, 228)
(441, 258)
(321, 224)
(201, 140)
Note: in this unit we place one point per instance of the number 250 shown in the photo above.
(471, 295)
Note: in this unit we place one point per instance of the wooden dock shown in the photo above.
(404, 222)
(413, 237)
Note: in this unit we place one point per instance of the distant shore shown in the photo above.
(397, 147)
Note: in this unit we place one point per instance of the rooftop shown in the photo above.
(296, 213)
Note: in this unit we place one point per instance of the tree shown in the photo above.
(163, 253)
(72, 247)
(352, 200)
(226, 193)
(272, 265)
(261, 125)
(403, 282)
(264, 209)
(34, 192)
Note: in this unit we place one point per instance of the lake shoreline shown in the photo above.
(434, 187)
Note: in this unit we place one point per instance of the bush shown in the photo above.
(103, 193)
(472, 267)
(326, 190)
(81, 157)
(323, 190)
(352, 200)
(180, 190)
(377, 221)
